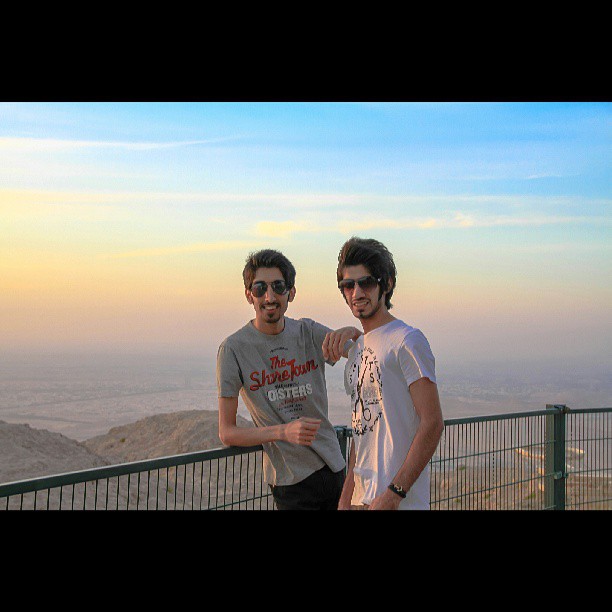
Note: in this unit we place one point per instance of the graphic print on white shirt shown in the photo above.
(379, 370)
(366, 395)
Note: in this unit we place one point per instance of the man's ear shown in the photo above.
(291, 294)
(249, 297)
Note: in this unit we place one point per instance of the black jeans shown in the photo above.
(319, 491)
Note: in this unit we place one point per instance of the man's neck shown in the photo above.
(382, 317)
(271, 329)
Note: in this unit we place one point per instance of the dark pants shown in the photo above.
(319, 491)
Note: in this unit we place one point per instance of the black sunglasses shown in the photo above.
(366, 283)
(279, 287)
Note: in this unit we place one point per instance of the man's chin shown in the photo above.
(365, 313)
(273, 317)
(360, 313)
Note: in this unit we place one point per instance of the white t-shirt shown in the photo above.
(381, 365)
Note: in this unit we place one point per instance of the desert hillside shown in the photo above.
(26, 452)
(171, 433)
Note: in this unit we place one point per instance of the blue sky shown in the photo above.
(498, 214)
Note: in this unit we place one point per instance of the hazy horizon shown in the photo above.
(82, 396)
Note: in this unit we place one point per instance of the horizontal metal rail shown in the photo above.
(121, 469)
(546, 459)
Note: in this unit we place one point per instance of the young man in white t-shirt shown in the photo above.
(390, 375)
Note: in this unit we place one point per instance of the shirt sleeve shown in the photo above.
(319, 332)
(229, 375)
(415, 357)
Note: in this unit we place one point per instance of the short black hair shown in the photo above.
(375, 256)
(268, 258)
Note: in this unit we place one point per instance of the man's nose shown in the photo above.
(270, 294)
(358, 291)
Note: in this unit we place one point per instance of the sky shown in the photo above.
(125, 226)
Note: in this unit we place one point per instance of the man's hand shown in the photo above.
(302, 431)
(386, 501)
(333, 345)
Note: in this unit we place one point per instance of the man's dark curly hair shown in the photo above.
(375, 256)
(268, 258)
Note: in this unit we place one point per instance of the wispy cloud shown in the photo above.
(563, 247)
(280, 229)
(281, 200)
(201, 247)
(23, 197)
(458, 220)
(544, 176)
(302, 200)
(54, 144)
(462, 220)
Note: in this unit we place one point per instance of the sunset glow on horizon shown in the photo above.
(125, 226)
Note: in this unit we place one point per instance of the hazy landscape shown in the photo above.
(60, 413)
(82, 396)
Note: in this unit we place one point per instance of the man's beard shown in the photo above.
(275, 319)
(273, 316)
(364, 315)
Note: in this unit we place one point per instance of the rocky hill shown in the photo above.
(26, 452)
(171, 433)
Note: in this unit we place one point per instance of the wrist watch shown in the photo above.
(397, 489)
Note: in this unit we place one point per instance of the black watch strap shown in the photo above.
(397, 489)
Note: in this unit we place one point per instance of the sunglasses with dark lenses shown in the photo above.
(367, 283)
(279, 287)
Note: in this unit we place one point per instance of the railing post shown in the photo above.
(554, 454)
(342, 438)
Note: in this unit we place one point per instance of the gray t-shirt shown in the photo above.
(280, 378)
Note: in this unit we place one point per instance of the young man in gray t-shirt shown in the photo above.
(277, 365)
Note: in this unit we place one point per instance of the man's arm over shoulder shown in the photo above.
(334, 343)
(337, 343)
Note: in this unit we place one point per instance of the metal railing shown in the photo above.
(542, 460)
(224, 478)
